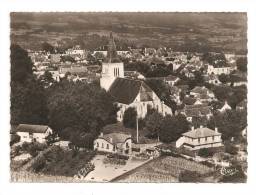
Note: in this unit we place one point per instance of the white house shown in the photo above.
(225, 107)
(218, 70)
(200, 138)
(30, 133)
(114, 143)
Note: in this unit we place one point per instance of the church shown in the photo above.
(128, 92)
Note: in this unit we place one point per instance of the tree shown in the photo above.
(224, 78)
(46, 78)
(28, 98)
(241, 64)
(230, 123)
(129, 119)
(47, 47)
(21, 64)
(172, 127)
(28, 103)
(153, 122)
(76, 108)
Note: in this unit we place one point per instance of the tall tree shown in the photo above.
(153, 123)
(28, 98)
(172, 128)
(21, 64)
(129, 119)
(80, 106)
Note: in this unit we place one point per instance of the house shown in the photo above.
(114, 143)
(225, 106)
(218, 70)
(202, 137)
(125, 91)
(195, 111)
(133, 75)
(212, 79)
(171, 80)
(30, 133)
(242, 105)
(202, 93)
(72, 69)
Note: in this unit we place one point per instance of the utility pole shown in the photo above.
(137, 128)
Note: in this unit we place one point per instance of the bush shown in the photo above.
(231, 149)
(205, 152)
(15, 151)
(118, 156)
(33, 148)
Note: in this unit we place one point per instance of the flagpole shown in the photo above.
(137, 129)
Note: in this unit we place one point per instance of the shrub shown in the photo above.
(231, 149)
(118, 156)
(15, 151)
(205, 152)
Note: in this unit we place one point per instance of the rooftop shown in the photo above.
(116, 137)
(125, 90)
(201, 132)
(32, 128)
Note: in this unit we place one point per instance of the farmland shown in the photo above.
(163, 169)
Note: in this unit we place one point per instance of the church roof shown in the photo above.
(125, 90)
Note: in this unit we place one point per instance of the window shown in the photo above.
(107, 146)
(212, 138)
(97, 144)
(114, 148)
(102, 145)
(198, 140)
(127, 145)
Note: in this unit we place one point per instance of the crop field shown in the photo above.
(164, 169)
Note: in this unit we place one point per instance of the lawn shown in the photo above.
(164, 169)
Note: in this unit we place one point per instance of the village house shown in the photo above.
(218, 70)
(202, 93)
(120, 143)
(133, 75)
(212, 79)
(195, 111)
(202, 137)
(31, 133)
(128, 92)
(224, 107)
(242, 105)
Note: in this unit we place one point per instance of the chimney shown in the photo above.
(201, 126)
(101, 134)
(111, 140)
(216, 129)
(192, 128)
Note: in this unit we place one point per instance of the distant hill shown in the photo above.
(181, 31)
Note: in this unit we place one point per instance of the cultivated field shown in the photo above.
(163, 169)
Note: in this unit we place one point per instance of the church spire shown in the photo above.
(112, 54)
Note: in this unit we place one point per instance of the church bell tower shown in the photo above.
(112, 67)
